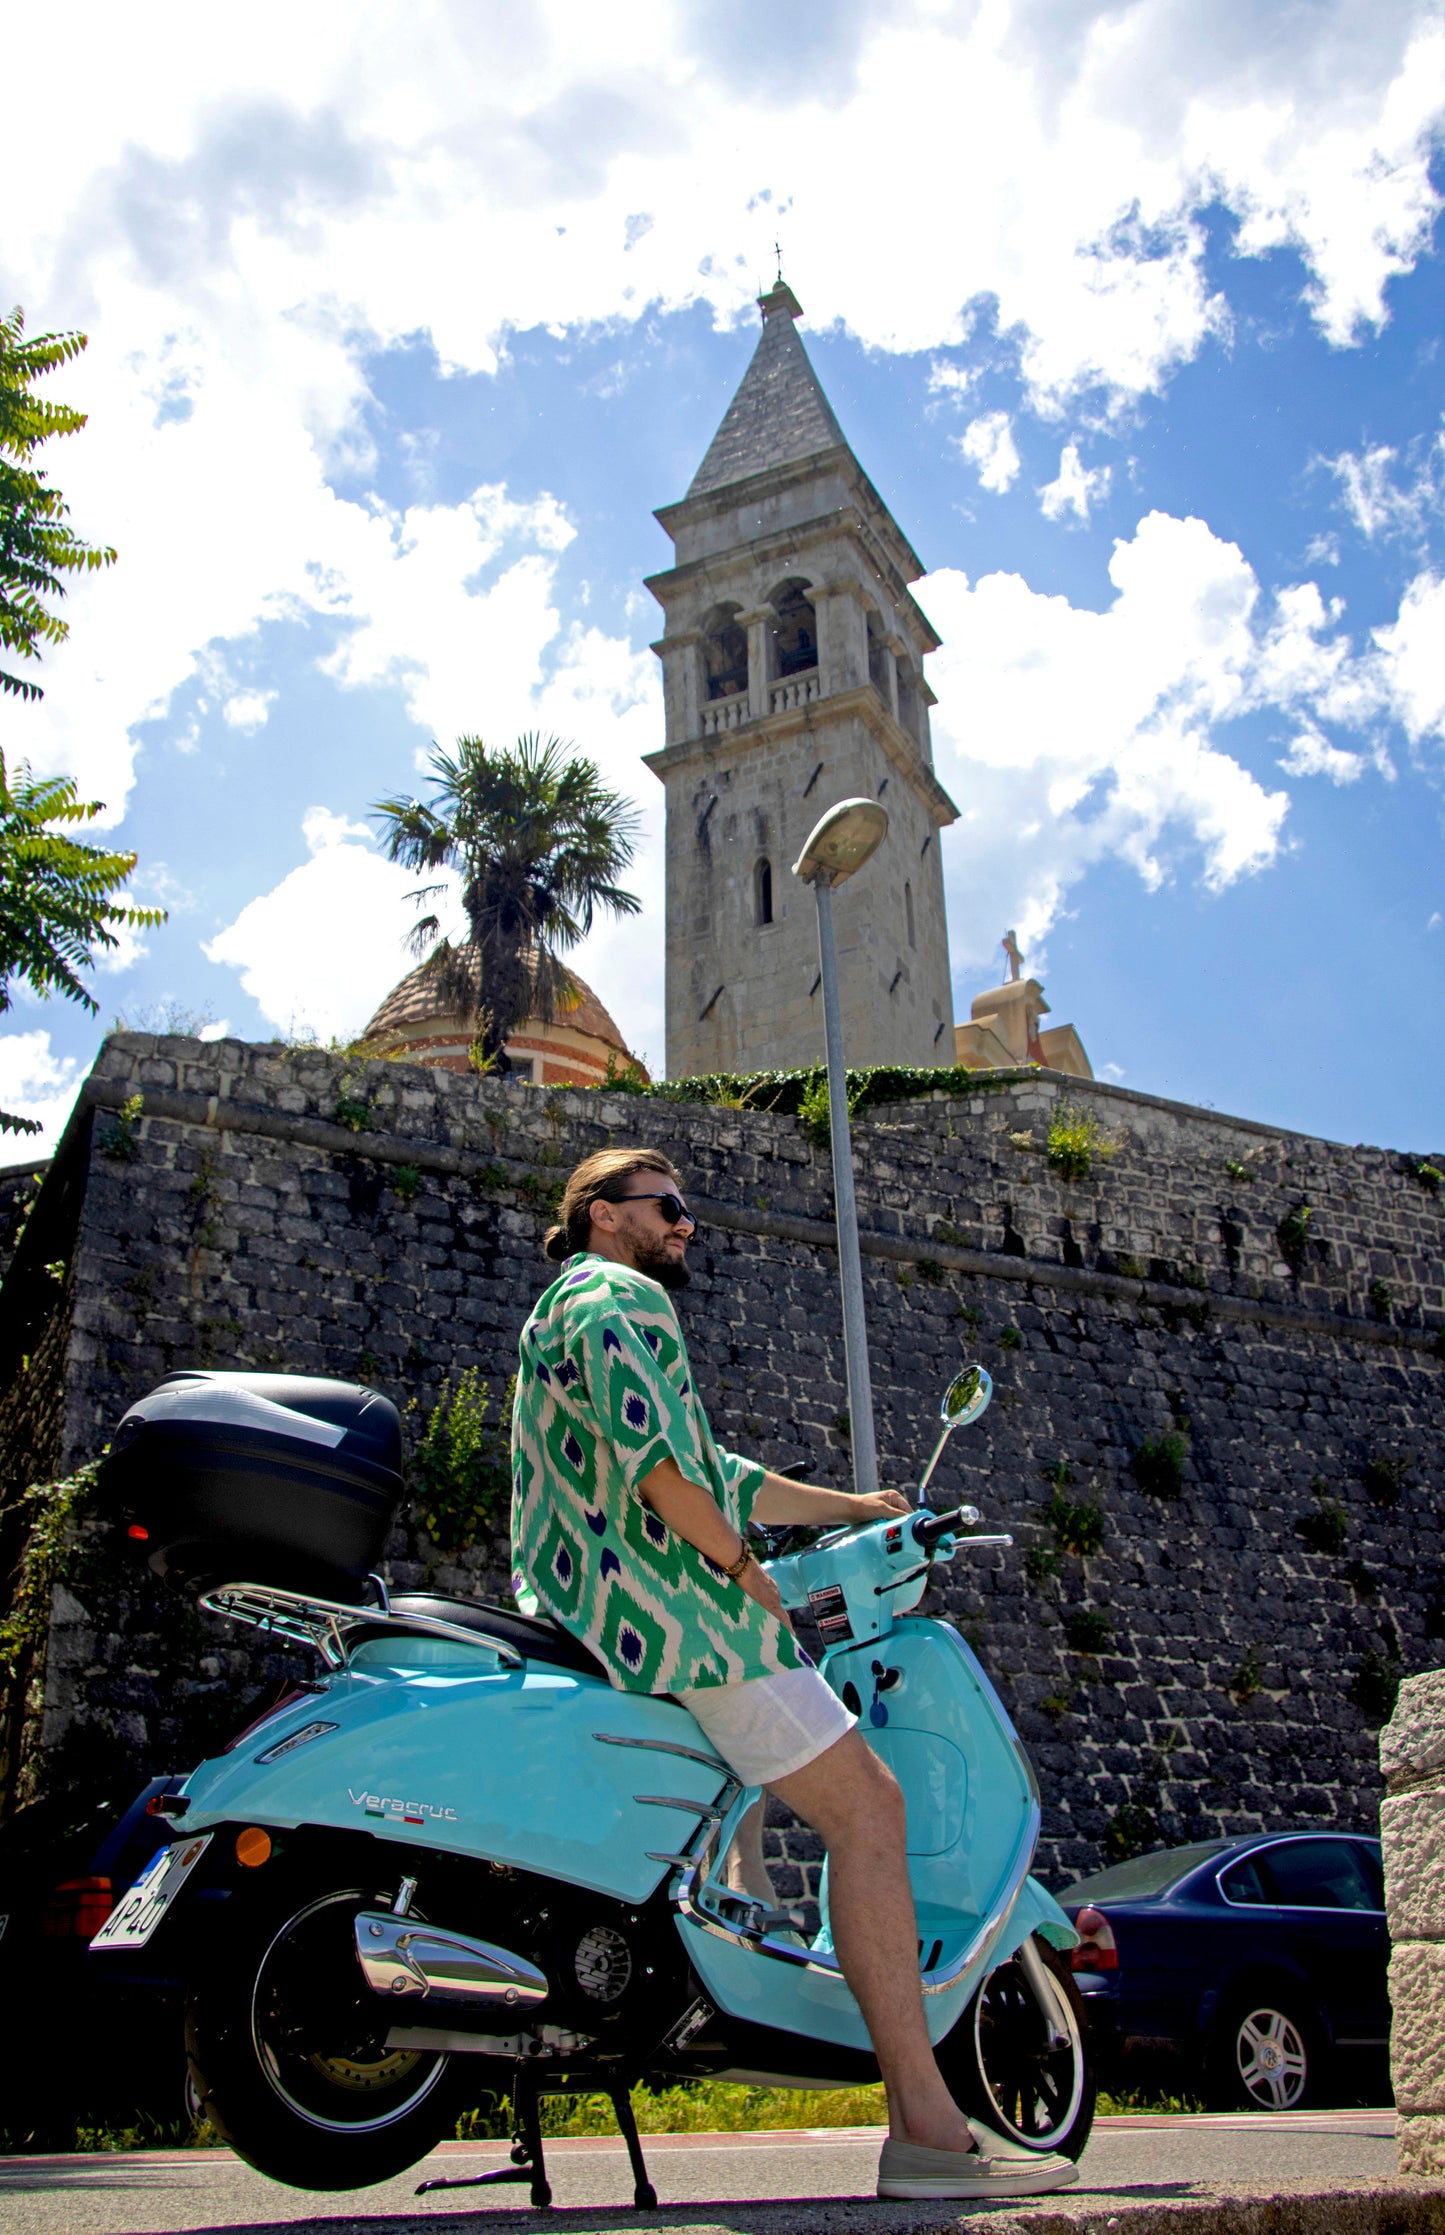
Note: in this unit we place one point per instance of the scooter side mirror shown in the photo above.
(967, 1397)
(965, 1400)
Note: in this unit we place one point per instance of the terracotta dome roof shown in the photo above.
(419, 999)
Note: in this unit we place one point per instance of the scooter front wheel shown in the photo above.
(288, 2052)
(1030, 2079)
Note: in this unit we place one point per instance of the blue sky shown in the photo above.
(1135, 326)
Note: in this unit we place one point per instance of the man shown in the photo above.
(629, 1528)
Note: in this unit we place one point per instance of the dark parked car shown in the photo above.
(1257, 1961)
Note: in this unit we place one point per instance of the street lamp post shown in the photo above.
(847, 836)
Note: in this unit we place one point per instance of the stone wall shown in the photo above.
(1412, 1829)
(1249, 1319)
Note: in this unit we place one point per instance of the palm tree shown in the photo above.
(538, 844)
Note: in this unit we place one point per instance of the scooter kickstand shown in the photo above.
(527, 2160)
(644, 2195)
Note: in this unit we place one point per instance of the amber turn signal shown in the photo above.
(253, 1847)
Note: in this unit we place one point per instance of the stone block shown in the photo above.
(1412, 1831)
(1413, 1741)
(1420, 2144)
(1417, 2028)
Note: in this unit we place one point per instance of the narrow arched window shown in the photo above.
(908, 911)
(725, 653)
(763, 891)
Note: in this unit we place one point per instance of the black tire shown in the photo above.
(287, 2049)
(1000, 2068)
(1264, 2054)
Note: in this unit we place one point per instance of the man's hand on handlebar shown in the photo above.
(781, 1503)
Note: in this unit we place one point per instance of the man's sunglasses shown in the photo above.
(675, 1212)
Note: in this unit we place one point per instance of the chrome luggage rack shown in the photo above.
(325, 1623)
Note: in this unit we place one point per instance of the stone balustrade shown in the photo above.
(719, 715)
(795, 690)
(1412, 1826)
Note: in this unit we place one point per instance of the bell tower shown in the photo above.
(792, 656)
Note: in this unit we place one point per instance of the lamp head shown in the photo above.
(847, 836)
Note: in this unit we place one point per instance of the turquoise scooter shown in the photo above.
(458, 1859)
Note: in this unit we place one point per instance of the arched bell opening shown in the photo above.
(794, 629)
(725, 653)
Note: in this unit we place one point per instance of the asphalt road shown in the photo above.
(768, 2183)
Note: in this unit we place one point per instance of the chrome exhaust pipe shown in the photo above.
(401, 1957)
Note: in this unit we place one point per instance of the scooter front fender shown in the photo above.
(1035, 1911)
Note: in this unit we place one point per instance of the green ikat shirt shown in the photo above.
(604, 1393)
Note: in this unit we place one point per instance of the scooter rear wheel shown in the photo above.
(1000, 2068)
(288, 2052)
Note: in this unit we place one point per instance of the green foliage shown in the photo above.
(1040, 1564)
(461, 1463)
(784, 1091)
(1293, 1233)
(1236, 1170)
(1385, 1480)
(1130, 1268)
(352, 1108)
(971, 1318)
(491, 1178)
(1376, 1684)
(37, 545)
(1075, 1140)
(1131, 1830)
(1249, 1676)
(952, 1237)
(1077, 1528)
(1381, 1297)
(119, 1137)
(1324, 1531)
(931, 1271)
(625, 1078)
(1011, 1338)
(406, 1180)
(44, 1512)
(693, 2107)
(1086, 1630)
(1429, 1176)
(1158, 1465)
(1059, 1473)
(57, 904)
(543, 1194)
(538, 843)
(1056, 1705)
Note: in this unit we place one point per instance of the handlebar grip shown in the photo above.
(931, 1528)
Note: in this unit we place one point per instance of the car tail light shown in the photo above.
(77, 1908)
(1097, 1950)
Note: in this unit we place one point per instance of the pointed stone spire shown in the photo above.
(779, 413)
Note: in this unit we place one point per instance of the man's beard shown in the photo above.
(652, 1257)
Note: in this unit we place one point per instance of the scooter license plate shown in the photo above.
(136, 1915)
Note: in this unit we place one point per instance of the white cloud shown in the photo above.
(1076, 488)
(1068, 737)
(1412, 659)
(248, 711)
(322, 949)
(1435, 921)
(1377, 503)
(35, 1083)
(1312, 755)
(988, 443)
(951, 382)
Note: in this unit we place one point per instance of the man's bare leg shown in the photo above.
(746, 1871)
(855, 1802)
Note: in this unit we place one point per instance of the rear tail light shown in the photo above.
(1097, 1950)
(77, 1908)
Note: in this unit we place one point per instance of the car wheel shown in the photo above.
(1265, 2057)
(1001, 2067)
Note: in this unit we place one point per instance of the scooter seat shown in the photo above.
(537, 1637)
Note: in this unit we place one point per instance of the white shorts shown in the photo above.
(769, 1726)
